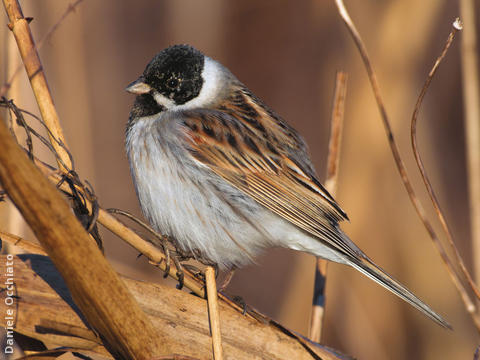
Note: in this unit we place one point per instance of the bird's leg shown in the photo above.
(180, 272)
(227, 279)
(166, 251)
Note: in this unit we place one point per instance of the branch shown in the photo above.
(21, 30)
(26, 245)
(71, 8)
(49, 315)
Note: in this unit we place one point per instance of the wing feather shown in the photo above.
(271, 171)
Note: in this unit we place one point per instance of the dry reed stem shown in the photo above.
(154, 254)
(213, 313)
(334, 147)
(50, 317)
(16, 224)
(471, 105)
(470, 307)
(21, 30)
(26, 245)
(13, 74)
(95, 287)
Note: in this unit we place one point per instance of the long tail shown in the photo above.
(377, 274)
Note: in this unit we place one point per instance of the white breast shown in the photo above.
(187, 202)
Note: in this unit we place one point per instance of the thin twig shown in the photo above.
(149, 250)
(70, 9)
(26, 245)
(21, 30)
(469, 305)
(213, 312)
(334, 147)
(471, 106)
(456, 26)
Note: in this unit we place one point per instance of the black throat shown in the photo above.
(144, 105)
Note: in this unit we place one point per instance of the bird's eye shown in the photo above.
(172, 83)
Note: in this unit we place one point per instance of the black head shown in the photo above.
(175, 73)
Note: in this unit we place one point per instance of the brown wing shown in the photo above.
(265, 164)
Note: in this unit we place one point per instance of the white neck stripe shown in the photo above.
(212, 78)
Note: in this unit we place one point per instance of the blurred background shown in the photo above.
(287, 53)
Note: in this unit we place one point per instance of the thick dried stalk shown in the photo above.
(95, 287)
(213, 313)
(48, 314)
(334, 147)
(21, 30)
(469, 305)
(471, 105)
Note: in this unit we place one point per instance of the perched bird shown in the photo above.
(227, 178)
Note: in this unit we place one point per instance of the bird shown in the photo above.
(218, 171)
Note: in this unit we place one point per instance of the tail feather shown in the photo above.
(377, 274)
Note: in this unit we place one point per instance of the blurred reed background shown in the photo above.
(287, 52)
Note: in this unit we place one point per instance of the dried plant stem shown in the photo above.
(468, 302)
(213, 313)
(153, 253)
(95, 287)
(26, 245)
(16, 224)
(180, 315)
(6, 87)
(471, 105)
(21, 30)
(469, 305)
(334, 147)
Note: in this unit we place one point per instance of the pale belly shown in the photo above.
(191, 204)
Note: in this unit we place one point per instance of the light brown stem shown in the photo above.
(213, 313)
(180, 315)
(26, 245)
(153, 253)
(21, 30)
(471, 105)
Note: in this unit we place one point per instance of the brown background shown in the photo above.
(287, 52)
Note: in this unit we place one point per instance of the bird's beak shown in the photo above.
(138, 87)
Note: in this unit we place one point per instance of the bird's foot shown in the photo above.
(227, 280)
